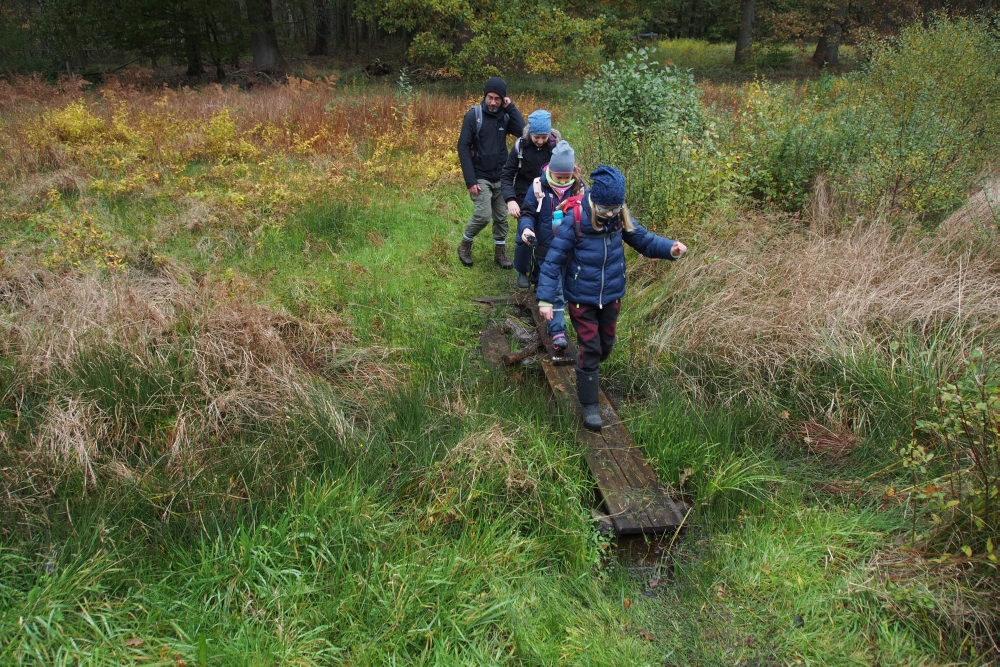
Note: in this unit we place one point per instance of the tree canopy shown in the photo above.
(441, 37)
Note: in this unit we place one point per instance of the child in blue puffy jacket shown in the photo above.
(589, 264)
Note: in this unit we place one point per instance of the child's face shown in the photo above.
(539, 139)
(561, 178)
(607, 212)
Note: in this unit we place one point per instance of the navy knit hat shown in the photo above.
(496, 85)
(608, 187)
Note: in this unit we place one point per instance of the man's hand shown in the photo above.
(513, 209)
(546, 312)
(528, 236)
(474, 190)
(506, 101)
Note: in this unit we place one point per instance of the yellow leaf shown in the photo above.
(967, 551)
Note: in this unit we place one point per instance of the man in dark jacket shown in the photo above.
(482, 150)
(530, 153)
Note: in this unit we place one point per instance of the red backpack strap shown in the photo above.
(576, 204)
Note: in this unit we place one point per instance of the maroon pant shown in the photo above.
(595, 332)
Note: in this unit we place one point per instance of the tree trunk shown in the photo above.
(828, 46)
(744, 39)
(263, 37)
(192, 51)
(322, 28)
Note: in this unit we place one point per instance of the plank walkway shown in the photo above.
(633, 497)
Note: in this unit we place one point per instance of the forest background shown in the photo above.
(243, 414)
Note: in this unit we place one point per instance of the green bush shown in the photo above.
(635, 97)
(954, 459)
(649, 122)
(903, 140)
(932, 129)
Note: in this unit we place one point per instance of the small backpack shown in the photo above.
(576, 203)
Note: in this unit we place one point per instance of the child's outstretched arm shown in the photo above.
(653, 245)
(551, 273)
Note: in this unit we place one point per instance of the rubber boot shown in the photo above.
(500, 256)
(522, 281)
(465, 252)
(588, 389)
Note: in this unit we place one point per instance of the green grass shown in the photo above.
(443, 517)
(383, 549)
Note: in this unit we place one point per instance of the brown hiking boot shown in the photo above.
(465, 252)
(500, 257)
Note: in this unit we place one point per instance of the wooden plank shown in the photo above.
(527, 300)
(495, 346)
(634, 498)
(495, 300)
(623, 507)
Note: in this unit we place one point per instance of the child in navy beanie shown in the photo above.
(591, 255)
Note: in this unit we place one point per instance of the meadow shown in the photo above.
(245, 419)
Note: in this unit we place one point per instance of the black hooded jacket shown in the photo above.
(520, 172)
(483, 156)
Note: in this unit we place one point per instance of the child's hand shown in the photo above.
(546, 312)
(528, 236)
(677, 249)
(513, 209)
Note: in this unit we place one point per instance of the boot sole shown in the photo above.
(595, 429)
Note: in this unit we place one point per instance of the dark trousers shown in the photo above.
(595, 332)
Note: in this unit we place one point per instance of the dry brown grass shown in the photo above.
(223, 371)
(753, 306)
(453, 483)
(301, 118)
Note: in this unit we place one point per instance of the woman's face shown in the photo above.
(539, 139)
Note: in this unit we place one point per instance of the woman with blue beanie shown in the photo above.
(591, 255)
(524, 164)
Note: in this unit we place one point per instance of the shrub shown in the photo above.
(932, 132)
(903, 140)
(955, 462)
(634, 97)
(649, 122)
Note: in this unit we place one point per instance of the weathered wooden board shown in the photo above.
(495, 346)
(633, 497)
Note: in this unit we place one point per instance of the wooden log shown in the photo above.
(495, 347)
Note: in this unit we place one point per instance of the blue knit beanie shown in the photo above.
(563, 158)
(608, 187)
(540, 122)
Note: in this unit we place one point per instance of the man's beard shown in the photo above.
(493, 107)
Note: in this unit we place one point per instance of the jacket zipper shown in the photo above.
(604, 264)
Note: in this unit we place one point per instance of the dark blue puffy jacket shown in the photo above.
(539, 221)
(594, 265)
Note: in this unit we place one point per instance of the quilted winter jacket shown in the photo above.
(594, 265)
(537, 221)
(520, 172)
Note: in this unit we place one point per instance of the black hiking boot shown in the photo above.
(500, 257)
(465, 252)
(588, 390)
(592, 417)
